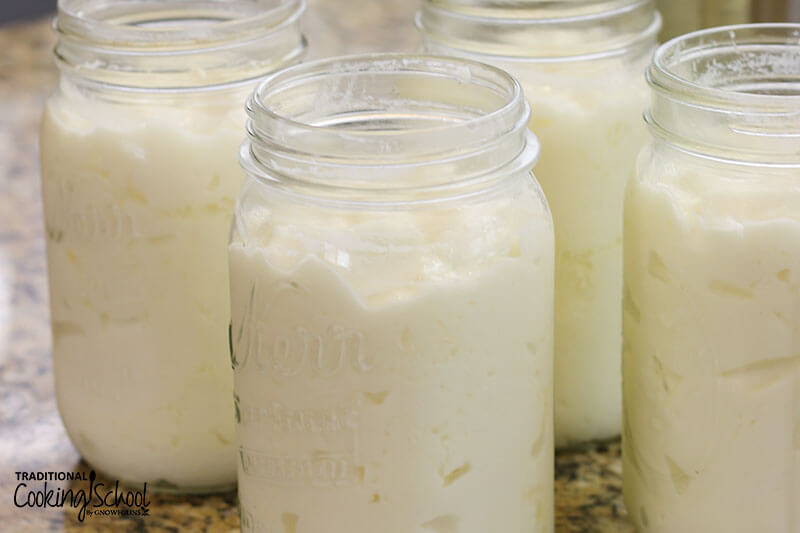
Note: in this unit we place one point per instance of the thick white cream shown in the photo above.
(587, 115)
(712, 354)
(138, 201)
(583, 74)
(590, 128)
(394, 371)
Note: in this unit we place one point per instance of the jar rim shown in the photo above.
(698, 45)
(730, 94)
(352, 64)
(381, 114)
(176, 44)
(128, 27)
(639, 17)
(552, 12)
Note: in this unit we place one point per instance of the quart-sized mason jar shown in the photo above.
(139, 152)
(712, 289)
(582, 66)
(391, 270)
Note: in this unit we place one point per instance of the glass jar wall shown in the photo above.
(391, 270)
(139, 177)
(581, 65)
(712, 258)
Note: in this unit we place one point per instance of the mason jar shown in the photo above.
(712, 288)
(139, 151)
(391, 267)
(582, 66)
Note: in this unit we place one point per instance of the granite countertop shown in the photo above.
(32, 437)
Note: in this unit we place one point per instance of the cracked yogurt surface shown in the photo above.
(393, 370)
(712, 351)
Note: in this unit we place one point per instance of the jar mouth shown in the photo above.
(730, 93)
(540, 30)
(388, 122)
(754, 67)
(177, 43)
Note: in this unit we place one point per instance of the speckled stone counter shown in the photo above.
(32, 437)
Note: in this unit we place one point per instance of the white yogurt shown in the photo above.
(138, 200)
(590, 132)
(581, 67)
(393, 391)
(712, 360)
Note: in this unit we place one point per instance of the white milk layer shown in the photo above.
(712, 354)
(138, 201)
(403, 387)
(591, 131)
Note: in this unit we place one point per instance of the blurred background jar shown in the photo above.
(582, 66)
(684, 16)
(712, 301)
(139, 165)
(391, 270)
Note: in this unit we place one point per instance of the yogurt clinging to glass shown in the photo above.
(392, 314)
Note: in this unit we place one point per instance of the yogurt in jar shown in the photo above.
(711, 373)
(581, 66)
(394, 391)
(711, 364)
(590, 133)
(137, 203)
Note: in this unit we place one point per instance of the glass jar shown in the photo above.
(391, 270)
(712, 301)
(139, 149)
(581, 65)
